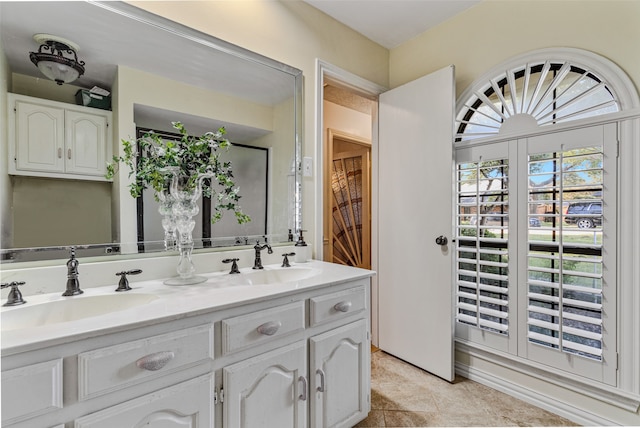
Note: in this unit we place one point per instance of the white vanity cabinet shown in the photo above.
(295, 359)
(53, 139)
(320, 381)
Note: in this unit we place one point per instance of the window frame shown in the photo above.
(626, 394)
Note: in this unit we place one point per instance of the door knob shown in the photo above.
(441, 240)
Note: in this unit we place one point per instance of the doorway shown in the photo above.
(347, 207)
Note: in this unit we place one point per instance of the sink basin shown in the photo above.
(69, 309)
(274, 276)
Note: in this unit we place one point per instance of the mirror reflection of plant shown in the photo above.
(153, 159)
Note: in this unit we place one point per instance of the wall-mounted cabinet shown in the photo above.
(53, 139)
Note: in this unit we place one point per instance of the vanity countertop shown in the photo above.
(166, 303)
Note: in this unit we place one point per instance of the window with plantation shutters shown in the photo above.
(564, 296)
(481, 256)
(545, 225)
(535, 233)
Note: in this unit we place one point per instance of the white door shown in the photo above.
(269, 390)
(185, 405)
(415, 207)
(39, 137)
(339, 376)
(86, 143)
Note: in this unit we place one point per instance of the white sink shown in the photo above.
(69, 309)
(274, 275)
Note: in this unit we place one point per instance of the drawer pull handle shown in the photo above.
(153, 362)
(321, 387)
(269, 328)
(303, 394)
(69, 154)
(342, 306)
(59, 153)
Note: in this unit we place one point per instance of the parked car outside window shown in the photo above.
(584, 214)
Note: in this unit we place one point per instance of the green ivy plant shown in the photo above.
(151, 158)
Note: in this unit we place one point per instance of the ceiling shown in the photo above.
(109, 37)
(391, 22)
(145, 47)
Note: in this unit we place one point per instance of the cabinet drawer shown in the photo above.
(116, 367)
(337, 305)
(258, 327)
(31, 390)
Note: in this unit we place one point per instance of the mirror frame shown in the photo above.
(193, 36)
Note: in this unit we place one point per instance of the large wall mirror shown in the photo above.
(157, 72)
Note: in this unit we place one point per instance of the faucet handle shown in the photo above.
(15, 296)
(285, 261)
(234, 266)
(123, 284)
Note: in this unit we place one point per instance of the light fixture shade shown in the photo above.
(56, 58)
(60, 73)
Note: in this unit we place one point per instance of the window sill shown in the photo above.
(622, 399)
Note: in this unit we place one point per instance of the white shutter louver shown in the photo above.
(481, 251)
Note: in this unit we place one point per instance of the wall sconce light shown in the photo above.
(57, 58)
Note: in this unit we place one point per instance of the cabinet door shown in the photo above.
(39, 137)
(86, 136)
(269, 390)
(340, 366)
(185, 405)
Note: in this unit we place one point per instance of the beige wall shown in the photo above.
(5, 182)
(291, 32)
(53, 212)
(496, 30)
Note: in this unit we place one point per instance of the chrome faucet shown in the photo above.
(73, 283)
(257, 264)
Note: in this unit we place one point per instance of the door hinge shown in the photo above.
(618, 149)
(617, 360)
(218, 396)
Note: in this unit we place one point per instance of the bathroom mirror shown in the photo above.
(157, 71)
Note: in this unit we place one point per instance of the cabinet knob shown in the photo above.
(153, 362)
(59, 152)
(68, 153)
(342, 306)
(269, 328)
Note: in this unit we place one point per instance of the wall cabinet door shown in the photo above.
(86, 143)
(53, 139)
(185, 405)
(340, 366)
(39, 137)
(269, 390)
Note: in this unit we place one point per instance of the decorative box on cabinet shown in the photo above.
(53, 139)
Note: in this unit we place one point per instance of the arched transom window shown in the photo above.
(531, 95)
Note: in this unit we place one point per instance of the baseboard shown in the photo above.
(578, 415)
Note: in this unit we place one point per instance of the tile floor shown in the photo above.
(404, 396)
